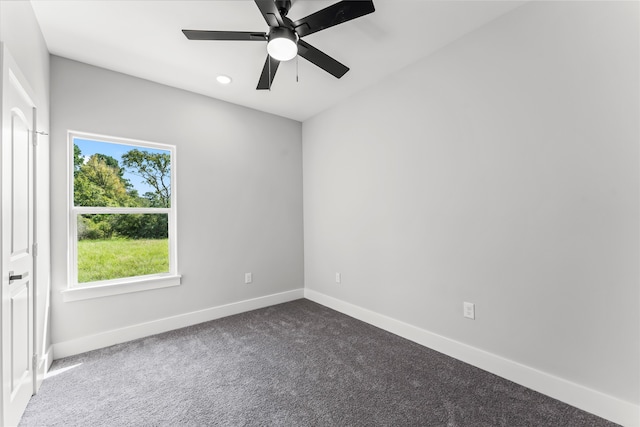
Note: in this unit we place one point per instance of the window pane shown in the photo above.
(107, 174)
(115, 246)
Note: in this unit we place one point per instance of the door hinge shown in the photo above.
(34, 249)
(34, 361)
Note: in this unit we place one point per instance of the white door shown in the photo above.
(18, 112)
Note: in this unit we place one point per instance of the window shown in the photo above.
(122, 216)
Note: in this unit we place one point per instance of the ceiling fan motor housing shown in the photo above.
(283, 32)
(283, 6)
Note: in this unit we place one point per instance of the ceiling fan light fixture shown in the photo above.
(283, 44)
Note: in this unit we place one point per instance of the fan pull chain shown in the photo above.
(297, 61)
(269, 76)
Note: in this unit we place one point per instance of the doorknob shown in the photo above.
(14, 277)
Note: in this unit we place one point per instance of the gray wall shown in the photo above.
(20, 33)
(239, 192)
(502, 170)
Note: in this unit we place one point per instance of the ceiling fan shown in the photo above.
(284, 36)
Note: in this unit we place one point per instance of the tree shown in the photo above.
(152, 200)
(140, 226)
(113, 163)
(97, 184)
(155, 169)
(78, 160)
(109, 161)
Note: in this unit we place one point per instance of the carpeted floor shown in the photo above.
(294, 364)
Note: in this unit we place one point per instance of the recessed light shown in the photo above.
(223, 80)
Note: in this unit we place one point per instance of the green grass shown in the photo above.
(118, 258)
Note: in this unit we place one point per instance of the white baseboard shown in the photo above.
(141, 330)
(595, 402)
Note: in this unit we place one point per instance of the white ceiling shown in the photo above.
(143, 39)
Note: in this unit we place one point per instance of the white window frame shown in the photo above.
(76, 291)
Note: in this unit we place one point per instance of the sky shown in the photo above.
(89, 147)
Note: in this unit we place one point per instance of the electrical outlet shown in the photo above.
(469, 310)
(248, 277)
(338, 278)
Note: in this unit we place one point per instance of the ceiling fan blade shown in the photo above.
(270, 12)
(268, 73)
(224, 35)
(333, 15)
(321, 59)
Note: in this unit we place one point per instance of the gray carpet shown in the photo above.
(294, 364)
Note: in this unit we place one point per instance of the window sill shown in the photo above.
(133, 285)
